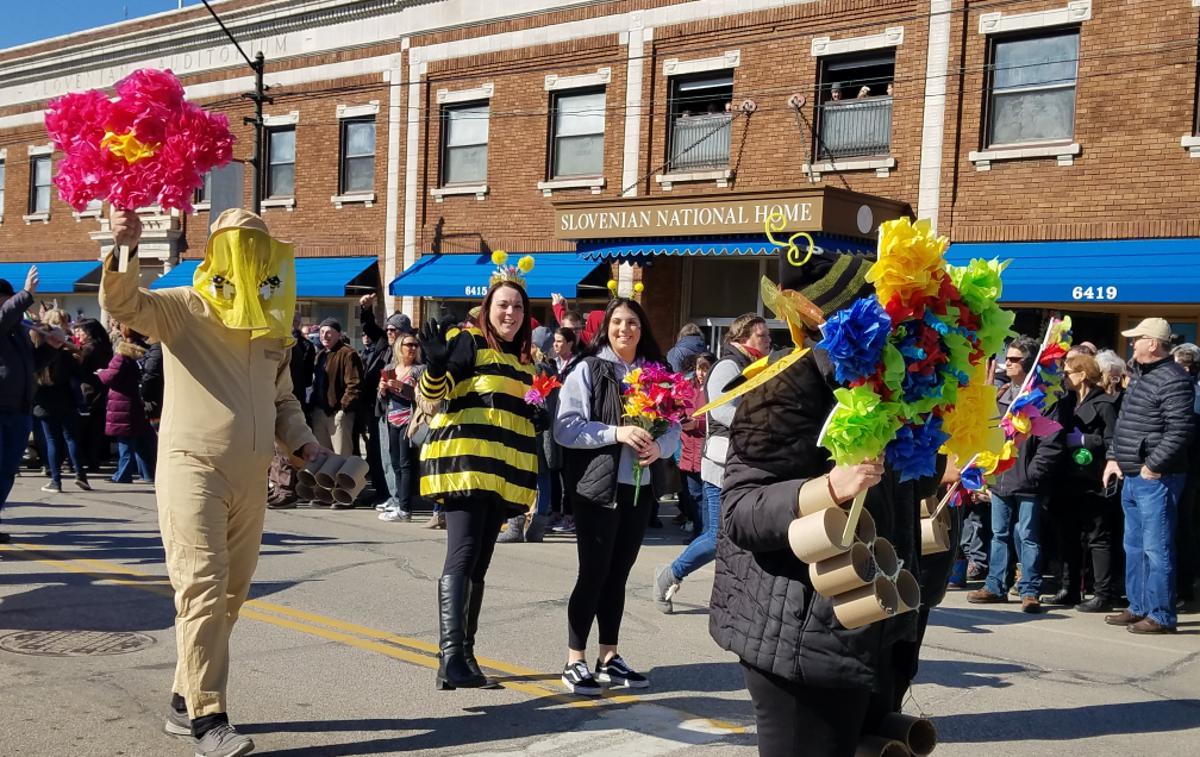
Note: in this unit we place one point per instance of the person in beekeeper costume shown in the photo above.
(228, 401)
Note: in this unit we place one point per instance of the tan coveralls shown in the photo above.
(227, 399)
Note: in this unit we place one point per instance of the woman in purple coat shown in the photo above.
(125, 420)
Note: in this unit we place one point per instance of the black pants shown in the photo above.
(1089, 523)
(403, 459)
(608, 540)
(805, 720)
(471, 531)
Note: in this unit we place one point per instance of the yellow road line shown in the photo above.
(260, 610)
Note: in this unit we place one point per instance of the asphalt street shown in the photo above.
(335, 653)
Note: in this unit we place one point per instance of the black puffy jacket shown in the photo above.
(763, 606)
(1157, 421)
(1040, 458)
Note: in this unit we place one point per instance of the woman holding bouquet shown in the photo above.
(480, 460)
(603, 463)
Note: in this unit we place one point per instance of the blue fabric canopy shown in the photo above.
(315, 277)
(737, 246)
(59, 277)
(466, 276)
(1152, 271)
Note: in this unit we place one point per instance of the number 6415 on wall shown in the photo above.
(1094, 293)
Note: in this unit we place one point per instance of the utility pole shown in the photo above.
(259, 96)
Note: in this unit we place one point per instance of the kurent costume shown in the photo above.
(228, 400)
(480, 464)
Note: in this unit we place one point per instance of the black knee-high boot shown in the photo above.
(453, 672)
(474, 604)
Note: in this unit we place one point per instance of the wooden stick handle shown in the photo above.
(852, 522)
(123, 258)
(945, 500)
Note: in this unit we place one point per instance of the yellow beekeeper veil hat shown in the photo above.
(248, 278)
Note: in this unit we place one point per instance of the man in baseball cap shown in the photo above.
(1151, 328)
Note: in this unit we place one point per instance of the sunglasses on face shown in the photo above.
(1011, 359)
(409, 345)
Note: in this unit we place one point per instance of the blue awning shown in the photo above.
(466, 276)
(60, 277)
(1152, 271)
(736, 246)
(315, 277)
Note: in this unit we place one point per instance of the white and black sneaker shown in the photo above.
(578, 680)
(618, 675)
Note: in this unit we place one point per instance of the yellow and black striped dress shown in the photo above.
(483, 443)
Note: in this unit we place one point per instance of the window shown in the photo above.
(358, 155)
(1032, 89)
(39, 184)
(854, 110)
(465, 134)
(578, 138)
(700, 120)
(204, 192)
(281, 162)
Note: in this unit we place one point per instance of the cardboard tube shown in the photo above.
(323, 495)
(305, 492)
(814, 496)
(878, 746)
(866, 528)
(885, 558)
(934, 537)
(352, 476)
(308, 474)
(918, 734)
(327, 473)
(944, 518)
(909, 591)
(343, 496)
(818, 536)
(843, 573)
(928, 505)
(868, 604)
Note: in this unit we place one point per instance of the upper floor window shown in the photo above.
(854, 110)
(577, 141)
(281, 162)
(204, 191)
(700, 121)
(465, 142)
(39, 184)
(1031, 92)
(357, 170)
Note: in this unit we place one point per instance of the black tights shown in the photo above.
(813, 721)
(471, 531)
(608, 541)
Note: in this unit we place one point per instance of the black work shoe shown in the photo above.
(578, 680)
(1095, 604)
(1065, 597)
(618, 675)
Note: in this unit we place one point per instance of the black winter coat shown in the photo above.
(763, 606)
(1157, 421)
(381, 356)
(1041, 457)
(1096, 418)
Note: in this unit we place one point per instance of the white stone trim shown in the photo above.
(291, 118)
(29, 218)
(1065, 153)
(358, 111)
(412, 153)
(479, 190)
(482, 92)
(893, 36)
(676, 67)
(1075, 12)
(556, 82)
(38, 150)
(201, 207)
(394, 76)
(637, 36)
(933, 129)
(720, 175)
(1191, 142)
(881, 166)
(366, 198)
(79, 215)
(279, 202)
(595, 184)
(3, 153)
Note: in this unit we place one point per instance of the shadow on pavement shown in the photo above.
(976, 620)
(1070, 723)
(956, 674)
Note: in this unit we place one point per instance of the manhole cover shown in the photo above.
(74, 643)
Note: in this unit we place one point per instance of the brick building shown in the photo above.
(646, 139)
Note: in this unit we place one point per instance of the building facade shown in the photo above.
(408, 140)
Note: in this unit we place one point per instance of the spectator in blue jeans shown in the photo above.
(1019, 492)
(749, 339)
(1150, 451)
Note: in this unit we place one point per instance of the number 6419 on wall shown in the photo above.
(1094, 293)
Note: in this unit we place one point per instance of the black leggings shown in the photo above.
(809, 720)
(471, 531)
(608, 540)
(403, 459)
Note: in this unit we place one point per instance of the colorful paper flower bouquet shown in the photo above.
(654, 399)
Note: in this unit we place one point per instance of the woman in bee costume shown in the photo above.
(480, 462)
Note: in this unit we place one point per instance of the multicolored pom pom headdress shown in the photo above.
(510, 274)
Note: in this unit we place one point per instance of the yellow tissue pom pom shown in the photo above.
(612, 285)
(525, 264)
(499, 257)
(639, 287)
